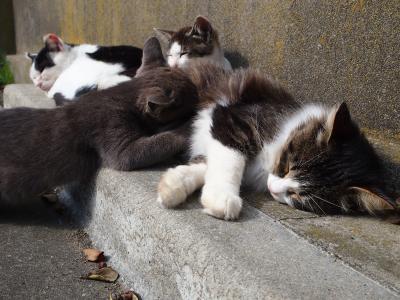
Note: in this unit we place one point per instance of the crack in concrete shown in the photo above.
(299, 218)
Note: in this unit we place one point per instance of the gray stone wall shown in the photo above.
(322, 50)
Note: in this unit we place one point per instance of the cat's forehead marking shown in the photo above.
(175, 49)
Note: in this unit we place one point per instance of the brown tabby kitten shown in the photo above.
(120, 128)
(250, 130)
(198, 43)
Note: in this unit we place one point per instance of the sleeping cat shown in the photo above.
(72, 70)
(121, 128)
(249, 130)
(198, 43)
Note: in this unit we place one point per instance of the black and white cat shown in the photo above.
(249, 130)
(72, 70)
(197, 43)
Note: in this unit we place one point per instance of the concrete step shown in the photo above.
(273, 251)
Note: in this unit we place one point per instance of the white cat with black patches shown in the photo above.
(198, 43)
(67, 71)
(250, 131)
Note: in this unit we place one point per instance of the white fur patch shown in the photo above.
(220, 195)
(176, 59)
(201, 136)
(174, 55)
(180, 182)
(85, 71)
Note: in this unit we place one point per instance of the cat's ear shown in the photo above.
(30, 56)
(375, 199)
(163, 35)
(202, 28)
(156, 104)
(340, 126)
(152, 55)
(53, 42)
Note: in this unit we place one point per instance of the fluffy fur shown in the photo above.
(250, 130)
(69, 70)
(130, 126)
(197, 43)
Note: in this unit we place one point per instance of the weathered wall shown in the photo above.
(323, 50)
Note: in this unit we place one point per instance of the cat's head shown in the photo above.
(326, 165)
(166, 93)
(49, 62)
(193, 43)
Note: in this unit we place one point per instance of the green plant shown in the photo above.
(6, 76)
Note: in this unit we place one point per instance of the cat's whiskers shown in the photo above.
(322, 199)
(313, 200)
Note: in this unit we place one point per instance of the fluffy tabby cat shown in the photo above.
(67, 71)
(122, 128)
(250, 130)
(198, 43)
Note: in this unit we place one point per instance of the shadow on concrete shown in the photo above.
(236, 59)
(35, 213)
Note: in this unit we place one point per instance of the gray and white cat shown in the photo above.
(72, 70)
(197, 43)
(249, 130)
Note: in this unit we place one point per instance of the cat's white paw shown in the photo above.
(171, 189)
(221, 204)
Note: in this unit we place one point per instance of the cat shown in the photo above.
(123, 127)
(67, 71)
(249, 130)
(198, 43)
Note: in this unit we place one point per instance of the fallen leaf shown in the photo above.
(106, 274)
(93, 255)
(102, 264)
(128, 295)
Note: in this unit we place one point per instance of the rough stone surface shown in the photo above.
(25, 95)
(329, 51)
(184, 253)
(19, 66)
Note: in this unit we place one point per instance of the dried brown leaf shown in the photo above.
(128, 295)
(93, 255)
(106, 274)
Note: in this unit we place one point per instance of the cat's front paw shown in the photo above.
(171, 189)
(220, 204)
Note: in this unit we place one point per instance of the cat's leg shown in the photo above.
(147, 151)
(178, 183)
(225, 168)
(110, 81)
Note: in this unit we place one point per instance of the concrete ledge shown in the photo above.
(26, 95)
(171, 254)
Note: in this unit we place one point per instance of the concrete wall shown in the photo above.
(323, 50)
